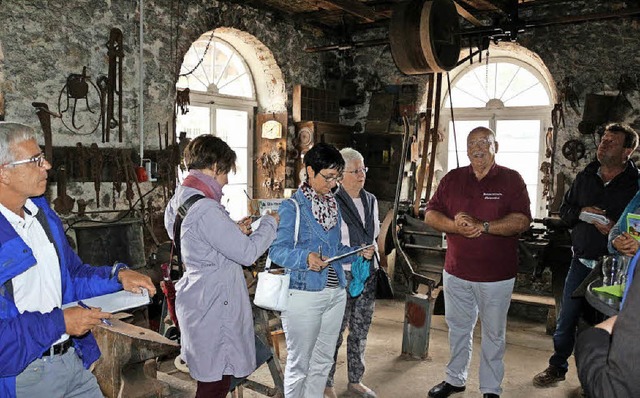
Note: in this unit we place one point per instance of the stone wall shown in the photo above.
(41, 43)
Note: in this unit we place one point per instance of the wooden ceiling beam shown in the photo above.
(354, 7)
(467, 15)
(481, 5)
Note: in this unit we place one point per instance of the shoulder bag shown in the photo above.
(272, 290)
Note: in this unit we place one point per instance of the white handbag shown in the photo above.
(272, 290)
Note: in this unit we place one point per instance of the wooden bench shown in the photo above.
(543, 301)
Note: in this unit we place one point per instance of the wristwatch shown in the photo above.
(485, 227)
(117, 267)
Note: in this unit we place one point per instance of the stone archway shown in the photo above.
(268, 78)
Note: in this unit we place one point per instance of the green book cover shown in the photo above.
(633, 225)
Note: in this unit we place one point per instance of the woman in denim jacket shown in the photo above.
(317, 294)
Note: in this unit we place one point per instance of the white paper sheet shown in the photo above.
(115, 302)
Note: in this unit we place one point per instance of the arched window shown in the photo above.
(222, 97)
(512, 98)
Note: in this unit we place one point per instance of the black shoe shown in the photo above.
(444, 389)
(490, 395)
(549, 377)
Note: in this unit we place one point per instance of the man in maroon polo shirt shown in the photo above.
(482, 208)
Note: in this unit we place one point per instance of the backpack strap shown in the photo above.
(296, 232)
(177, 225)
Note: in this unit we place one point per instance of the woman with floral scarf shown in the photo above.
(317, 294)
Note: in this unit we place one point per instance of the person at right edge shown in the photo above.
(604, 187)
(482, 208)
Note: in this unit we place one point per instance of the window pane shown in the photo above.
(196, 122)
(235, 200)
(222, 69)
(533, 96)
(519, 146)
(240, 87)
(510, 83)
(524, 163)
(518, 136)
(232, 126)
(241, 167)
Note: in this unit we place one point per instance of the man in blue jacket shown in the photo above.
(44, 350)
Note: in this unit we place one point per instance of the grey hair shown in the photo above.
(351, 155)
(11, 134)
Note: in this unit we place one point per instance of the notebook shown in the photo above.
(115, 302)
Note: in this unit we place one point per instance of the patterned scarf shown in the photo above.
(324, 207)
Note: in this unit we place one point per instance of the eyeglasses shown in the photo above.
(39, 160)
(362, 170)
(332, 179)
(482, 142)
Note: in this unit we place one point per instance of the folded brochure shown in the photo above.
(633, 225)
(115, 302)
(593, 217)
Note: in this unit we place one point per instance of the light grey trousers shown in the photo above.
(311, 325)
(464, 301)
(57, 376)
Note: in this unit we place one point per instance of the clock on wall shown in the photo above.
(272, 129)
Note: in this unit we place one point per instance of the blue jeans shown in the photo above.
(566, 328)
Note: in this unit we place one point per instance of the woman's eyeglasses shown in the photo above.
(362, 170)
(38, 160)
(332, 179)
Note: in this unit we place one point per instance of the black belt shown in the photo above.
(58, 349)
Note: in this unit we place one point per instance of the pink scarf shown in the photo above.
(204, 183)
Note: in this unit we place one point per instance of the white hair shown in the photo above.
(351, 155)
(11, 134)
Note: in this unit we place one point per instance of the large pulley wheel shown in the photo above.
(425, 36)
(573, 150)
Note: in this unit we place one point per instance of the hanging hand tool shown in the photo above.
(115, 53)
(82, 158)
(77, 88)
(129, 175)
(44, 115)
(63, 204)
(103, 86)
(96, 170)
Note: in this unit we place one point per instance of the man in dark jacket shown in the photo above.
(44, 350)
(603, 188)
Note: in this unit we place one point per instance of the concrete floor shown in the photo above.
(390, 375)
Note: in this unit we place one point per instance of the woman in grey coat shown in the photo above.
(212, 301)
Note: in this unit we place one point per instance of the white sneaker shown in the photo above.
(330, 392)
(361, 390)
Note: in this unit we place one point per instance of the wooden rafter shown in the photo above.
(354, 7)
(467, 15)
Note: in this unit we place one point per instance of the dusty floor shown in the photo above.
(392, 376)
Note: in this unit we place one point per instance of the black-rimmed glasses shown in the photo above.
(38, 160)
(332, 179)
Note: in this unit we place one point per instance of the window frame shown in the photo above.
(214, 100)
(542, 113)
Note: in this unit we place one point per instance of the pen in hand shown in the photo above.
(105, 321)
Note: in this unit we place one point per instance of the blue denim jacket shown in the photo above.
(311, 236)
